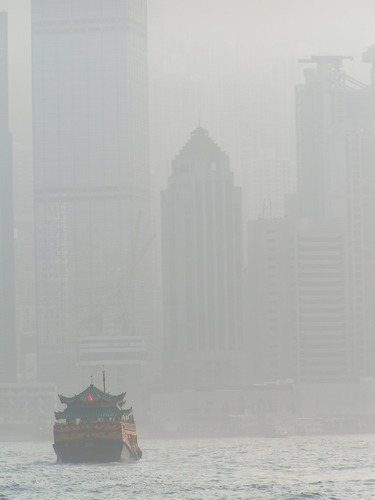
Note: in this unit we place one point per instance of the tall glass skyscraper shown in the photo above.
(91, 186)
(8, 358)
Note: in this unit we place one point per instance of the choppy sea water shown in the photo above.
(324, 467)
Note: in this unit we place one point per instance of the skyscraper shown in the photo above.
(271, 276)
(202, 270)
(24, 252)
(8, 357)
(322, 255)
(91, 186)
(336, 154)
(322, 294)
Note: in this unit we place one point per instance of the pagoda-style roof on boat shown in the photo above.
(91, 412)
(92, 394)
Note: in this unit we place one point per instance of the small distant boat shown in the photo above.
(94, 427)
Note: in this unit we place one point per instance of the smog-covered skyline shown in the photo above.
(182, 32)
(201, 175)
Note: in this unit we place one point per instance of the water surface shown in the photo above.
(324, 467)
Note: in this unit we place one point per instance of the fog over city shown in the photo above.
(187, 196)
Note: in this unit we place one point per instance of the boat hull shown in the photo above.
(96, 442)
(93, 452)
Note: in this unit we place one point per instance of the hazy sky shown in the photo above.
(208, 37)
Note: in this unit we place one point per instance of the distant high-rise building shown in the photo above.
(322, 318)
(271, 294)
(24, 250)
(8, 350)
(311, 276)
(331, 109)
(91, 187)
(202, 270)
(252, 116)
(298, 293)
(335, 156)
(256, 125)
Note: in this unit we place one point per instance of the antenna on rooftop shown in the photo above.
(369, 57)
(103, 380)
(91, 379)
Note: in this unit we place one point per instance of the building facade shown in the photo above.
(335, 155)
(271, 298)
(8, 356)
(202, 270)
(324, 344)
(91, 186)
(24, 249)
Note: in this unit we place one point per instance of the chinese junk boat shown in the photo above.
(95, 428)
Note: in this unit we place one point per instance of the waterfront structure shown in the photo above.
(202, 270)
(27, 411)
(8, 350)
(91, 187)
(309, 409)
